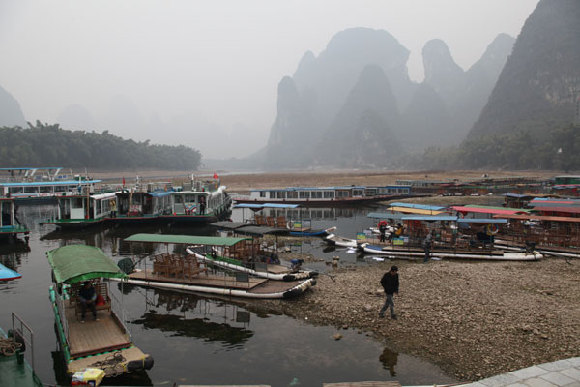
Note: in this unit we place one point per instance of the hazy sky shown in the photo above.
(217, 61)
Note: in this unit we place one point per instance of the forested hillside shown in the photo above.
(43, 144)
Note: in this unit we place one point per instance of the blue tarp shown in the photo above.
(418, 206)
(430, 218)
(160, 193)
(385, 215)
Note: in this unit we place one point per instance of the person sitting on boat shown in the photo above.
(88, 298)
(399, 230)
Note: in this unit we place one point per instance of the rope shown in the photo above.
(111, 364)
(8, 347)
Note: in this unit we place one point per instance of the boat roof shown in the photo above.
(418, 206)
(78, 263)
(185, 239)
(385, 215)
(489, 210)
(50, 183)
(265, 205)
(562, 219)
(563, 209)
(27, 168)
(418, 211)
(450, 218)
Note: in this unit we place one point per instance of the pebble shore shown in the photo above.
(473, 319)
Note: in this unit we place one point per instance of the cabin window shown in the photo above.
(16, 190)
(262, 194)
(357, 192)
(316, 195)
(46, 189)
(329, 194)
(30, 189)
(304, 194)
(77, 203)
(292, 195)
(59, 188)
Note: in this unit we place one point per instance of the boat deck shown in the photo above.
(201, 279)
(92, 337)
(253, 285)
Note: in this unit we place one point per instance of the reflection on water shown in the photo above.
(196, 339)
(389, 360)
(190, 315)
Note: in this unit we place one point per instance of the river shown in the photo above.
(196, 339)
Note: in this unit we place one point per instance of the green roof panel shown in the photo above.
(78, 263)
(185, 239)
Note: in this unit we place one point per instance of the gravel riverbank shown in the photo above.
(473, 319)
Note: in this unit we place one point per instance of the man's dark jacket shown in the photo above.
(390, 283)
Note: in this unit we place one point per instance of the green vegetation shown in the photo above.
(43, 144)
(559, 149)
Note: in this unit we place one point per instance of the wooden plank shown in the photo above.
(92, 336)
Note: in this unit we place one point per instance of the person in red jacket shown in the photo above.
(390, 282)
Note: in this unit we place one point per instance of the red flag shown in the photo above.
(123, 181)
(215, 175)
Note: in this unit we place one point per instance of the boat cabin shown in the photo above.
(86, 207)
(9, 226)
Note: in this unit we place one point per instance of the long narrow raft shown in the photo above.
(223, 285)
(497, 255)
(270, 271)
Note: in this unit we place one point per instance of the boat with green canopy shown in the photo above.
(105, 342)
(182, 270)
(240, 254)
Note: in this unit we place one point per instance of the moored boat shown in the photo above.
(186, 272)
(7, 274)
(336, 240)
(497, 255)
(80, 211)
(10, 227)
(104, 343)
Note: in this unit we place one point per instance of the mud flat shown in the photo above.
(473, 319)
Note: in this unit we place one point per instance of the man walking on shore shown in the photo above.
(390, 282)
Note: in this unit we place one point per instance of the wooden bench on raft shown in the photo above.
(176, 266)
(102, 296)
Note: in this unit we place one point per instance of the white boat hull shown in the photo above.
(506, 256)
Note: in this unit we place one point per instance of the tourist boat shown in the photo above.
(10, 228)
(409, 252)
(7, 274)
(336, 240)
(79, 211)
(186, 272)
(198, 202)
(103, 344)
(42, 184)
(137, 206)
(325, 196)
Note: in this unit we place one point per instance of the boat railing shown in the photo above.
(23, 332)
(61, 300)
(118, 309)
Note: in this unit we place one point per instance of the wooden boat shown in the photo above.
(106, 343)
(185, 272)
(336, 240)
(7, 274)
(499, 255)
(237, 254)
(80, 211)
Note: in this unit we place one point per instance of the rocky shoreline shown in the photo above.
(473, 319)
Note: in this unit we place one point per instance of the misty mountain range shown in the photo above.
(354, 104)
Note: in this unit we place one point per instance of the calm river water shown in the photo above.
(203, 340)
